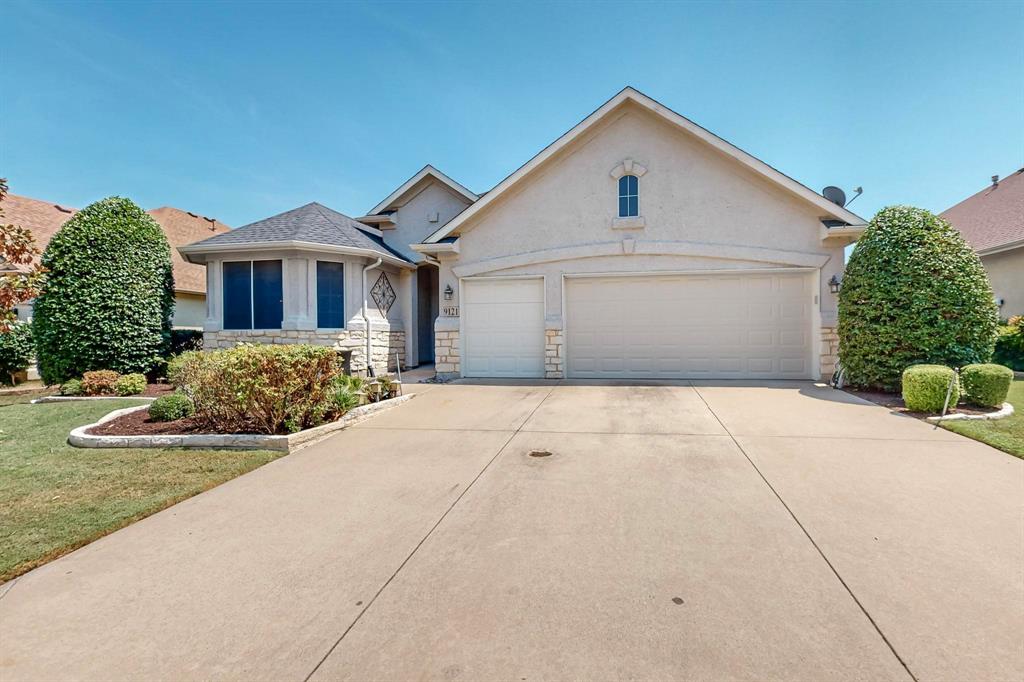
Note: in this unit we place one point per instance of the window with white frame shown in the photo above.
(629, 196)
(253, 294)
(330, 295)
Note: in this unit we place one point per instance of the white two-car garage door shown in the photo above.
(720, 326)
(503, 328)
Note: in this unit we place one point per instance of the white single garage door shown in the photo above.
(720, 326)
(503, 325)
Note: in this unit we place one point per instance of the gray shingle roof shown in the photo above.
(313, 223)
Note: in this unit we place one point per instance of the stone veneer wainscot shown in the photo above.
(385, 343)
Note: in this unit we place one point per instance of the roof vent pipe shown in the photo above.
(366, 320)
(995, 180)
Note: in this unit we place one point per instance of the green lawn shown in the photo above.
(1006, 434)
(55, 498)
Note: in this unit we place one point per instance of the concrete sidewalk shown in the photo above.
(779, 530)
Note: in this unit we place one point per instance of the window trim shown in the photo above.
(252, 297)
(344, 292)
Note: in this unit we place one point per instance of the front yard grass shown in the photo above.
(1005, 434)
(55, 498)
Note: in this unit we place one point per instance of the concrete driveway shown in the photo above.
(675, 531)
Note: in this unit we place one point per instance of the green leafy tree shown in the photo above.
(20, 277)
(109, 295)
(913, 292)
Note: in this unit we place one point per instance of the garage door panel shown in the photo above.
(503, 323)
(682, 326)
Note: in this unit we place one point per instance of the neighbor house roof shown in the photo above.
(44, 218)
(310, 225)
(629, 94)
(993, 219)
(399, 196)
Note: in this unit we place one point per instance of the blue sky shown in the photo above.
(239, 111)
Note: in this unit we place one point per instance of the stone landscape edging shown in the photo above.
(1005, 411)
(226, 441)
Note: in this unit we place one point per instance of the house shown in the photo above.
(44, 218)
(992, 222)
(637, 245)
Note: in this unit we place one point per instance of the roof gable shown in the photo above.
(400, 195)
(992, 219)
(629, 94)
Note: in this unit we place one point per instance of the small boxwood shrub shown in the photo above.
(16, 350)
(100, 382)
(986, 385)
(130, 384)
(109, 293)
(71, 387)
(925, 386)
(259, 388)
(170, 408)
(1010, 344)
(913, 292)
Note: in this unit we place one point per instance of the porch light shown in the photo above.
(834, 284)
(448, 292)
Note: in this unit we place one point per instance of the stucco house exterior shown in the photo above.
(992, 222)
(637, 245)
(45, 218)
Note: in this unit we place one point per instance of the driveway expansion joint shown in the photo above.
(430, 532)
(810, 538)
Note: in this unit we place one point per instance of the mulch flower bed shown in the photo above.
(138, 424)
(894, 401)
(157, 390)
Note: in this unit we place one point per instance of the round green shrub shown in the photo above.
(169, 408)
(913, 292)
(109, 295)
(16, 350)
(925, 386)
(71, 387)
(130, 384)
(986, 385)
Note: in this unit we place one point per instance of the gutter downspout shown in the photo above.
(366, 320)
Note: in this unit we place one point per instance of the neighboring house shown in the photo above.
(181, 227)
(637, 245)
(992, 222)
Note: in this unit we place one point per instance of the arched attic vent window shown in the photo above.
(628, 175)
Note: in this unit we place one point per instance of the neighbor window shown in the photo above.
(629, 204)
(330, 295)
(253, 296)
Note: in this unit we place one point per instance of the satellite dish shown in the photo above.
(835, 195)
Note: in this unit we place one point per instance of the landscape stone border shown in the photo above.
(227, 441)
(1005, 411)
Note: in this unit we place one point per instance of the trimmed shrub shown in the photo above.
(1010, 344)
(130, 384)
(986, 385)
(925, 386)
(259, 388)
(16, 350)
(100, 382)
(71, 387)
(170, 408)
(109, 293)
(344, 399)
(913, 292)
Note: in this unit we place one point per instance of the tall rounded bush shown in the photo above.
(109, 294)
(913, 292)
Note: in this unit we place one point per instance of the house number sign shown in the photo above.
(450, 310)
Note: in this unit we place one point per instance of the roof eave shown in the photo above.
(631, 94)
(436, 248)
(1008, 246)
(196, 253)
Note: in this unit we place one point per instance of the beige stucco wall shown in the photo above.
(702, 211)
(413, 219)
(189, 310)
(1006, 273)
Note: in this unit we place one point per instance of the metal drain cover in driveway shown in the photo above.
(540, 453)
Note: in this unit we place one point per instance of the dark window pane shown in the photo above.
(633, 206)
(631, 185)
(330, 295)
(237, 305)
(267, 297)
(623, 185)
(623, 207)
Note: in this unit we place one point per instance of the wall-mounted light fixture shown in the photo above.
(448, 292)
(834, 284)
